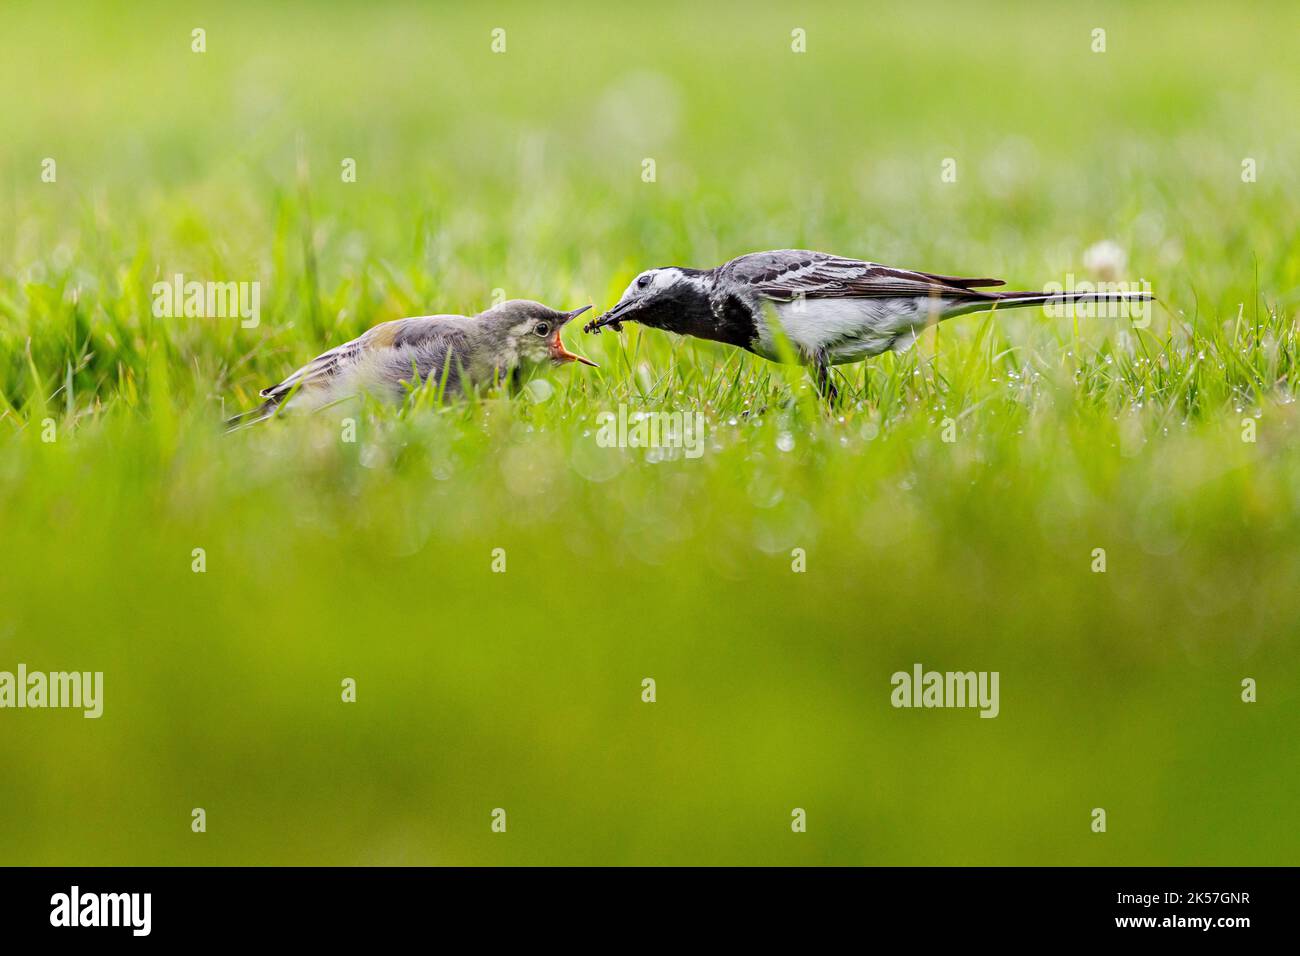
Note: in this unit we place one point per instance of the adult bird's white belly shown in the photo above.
(848, 329)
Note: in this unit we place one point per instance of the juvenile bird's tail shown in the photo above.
(259, 414)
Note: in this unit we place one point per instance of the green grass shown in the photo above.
(521, 172)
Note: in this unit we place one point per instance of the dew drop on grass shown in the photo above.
(539, 390)
(785, 441)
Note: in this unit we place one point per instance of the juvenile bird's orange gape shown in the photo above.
(831, 309)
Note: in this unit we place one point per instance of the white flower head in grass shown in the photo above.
(1106, 259)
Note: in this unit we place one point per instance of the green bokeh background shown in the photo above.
(522, 171)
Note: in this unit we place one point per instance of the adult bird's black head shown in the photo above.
(679, 300)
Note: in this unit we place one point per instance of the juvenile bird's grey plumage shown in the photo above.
(457, 349)
(831, 309)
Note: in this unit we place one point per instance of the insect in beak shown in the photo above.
(611, 319)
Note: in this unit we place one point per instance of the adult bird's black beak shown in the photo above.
(611, 319)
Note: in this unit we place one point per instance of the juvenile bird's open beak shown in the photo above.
(559, 353)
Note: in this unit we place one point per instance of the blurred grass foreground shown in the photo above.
(1104, 515)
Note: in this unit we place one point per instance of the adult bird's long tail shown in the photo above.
(1018, 299)
(983, 301)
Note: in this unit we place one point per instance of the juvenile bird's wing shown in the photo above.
(786, 274)
(430, 345)
(326, 367)
(424, 332)
(320, 370)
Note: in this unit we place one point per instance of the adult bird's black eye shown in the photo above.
(542, 329)
(643, 282)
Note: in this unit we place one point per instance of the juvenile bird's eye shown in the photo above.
(643, 282)
(542, 329)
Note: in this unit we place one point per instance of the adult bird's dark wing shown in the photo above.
(786, 274)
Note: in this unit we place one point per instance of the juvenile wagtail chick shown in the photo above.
(480, 350)
(831, 309)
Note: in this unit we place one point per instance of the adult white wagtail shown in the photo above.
(485, 348)
(831, 309)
